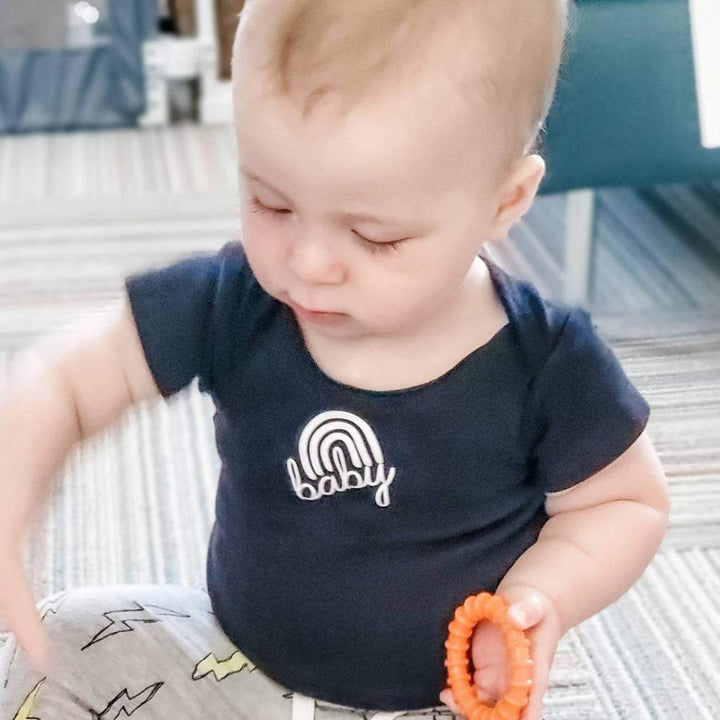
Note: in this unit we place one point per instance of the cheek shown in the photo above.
(428, 281)
(263, 245)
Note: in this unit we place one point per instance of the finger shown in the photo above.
(446, 698)
(533, 710)
(486, 698)
(20, 614)
(490, 660)
(543, 653)
(492, 682)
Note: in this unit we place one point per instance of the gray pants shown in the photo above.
(155, 652)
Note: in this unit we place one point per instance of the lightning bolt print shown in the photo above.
(24, 712)
(119, 622)
(51, 604)
(222, 668)
(125, 703)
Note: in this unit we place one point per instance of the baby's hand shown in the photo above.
(18, 611)
(492, 671)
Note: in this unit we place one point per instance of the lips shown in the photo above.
(302, 309)
(322, 317)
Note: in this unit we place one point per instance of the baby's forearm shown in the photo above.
(38, 428)
(586, 559)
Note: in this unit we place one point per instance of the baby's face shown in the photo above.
(377, 218)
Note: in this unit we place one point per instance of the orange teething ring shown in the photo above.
(486, 606)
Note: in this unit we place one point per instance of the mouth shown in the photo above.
(316, 316)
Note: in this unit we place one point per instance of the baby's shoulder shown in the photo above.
(539, 323)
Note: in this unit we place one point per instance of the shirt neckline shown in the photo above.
(497, 279)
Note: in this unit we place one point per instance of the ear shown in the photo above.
(516, 196)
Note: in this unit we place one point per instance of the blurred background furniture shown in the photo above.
(182, 13)
(66, 65)
(227, 13)
(625, 115)
(197, 52)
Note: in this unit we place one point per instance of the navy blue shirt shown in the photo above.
(350, 523)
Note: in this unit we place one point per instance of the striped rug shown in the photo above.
(135, 503)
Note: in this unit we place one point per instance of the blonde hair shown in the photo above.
(502, 55)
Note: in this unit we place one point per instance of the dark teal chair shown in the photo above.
(625, 114)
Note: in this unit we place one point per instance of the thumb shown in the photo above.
(528, 612)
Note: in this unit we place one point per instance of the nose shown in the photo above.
(315, 259)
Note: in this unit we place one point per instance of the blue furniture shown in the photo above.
(625, 114)
(99, 84)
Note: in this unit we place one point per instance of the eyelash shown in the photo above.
(375, 247)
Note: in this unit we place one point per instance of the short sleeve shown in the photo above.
(583, 411)
(172, 307)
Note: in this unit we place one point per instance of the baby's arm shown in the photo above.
(600, 537)
(59, 392)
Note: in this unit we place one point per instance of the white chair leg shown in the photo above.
(303, 707)
(579, 239)
(216, 104)
(157, 105)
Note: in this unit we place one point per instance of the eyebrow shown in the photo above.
(349, 215)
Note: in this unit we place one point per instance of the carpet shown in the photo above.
(135, 503)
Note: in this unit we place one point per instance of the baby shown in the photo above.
(400, 422)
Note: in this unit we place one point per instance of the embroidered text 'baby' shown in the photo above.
(327, 443)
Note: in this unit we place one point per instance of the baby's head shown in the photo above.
(424, 114)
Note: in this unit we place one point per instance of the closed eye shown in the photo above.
(374, 246)
(257, 206)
